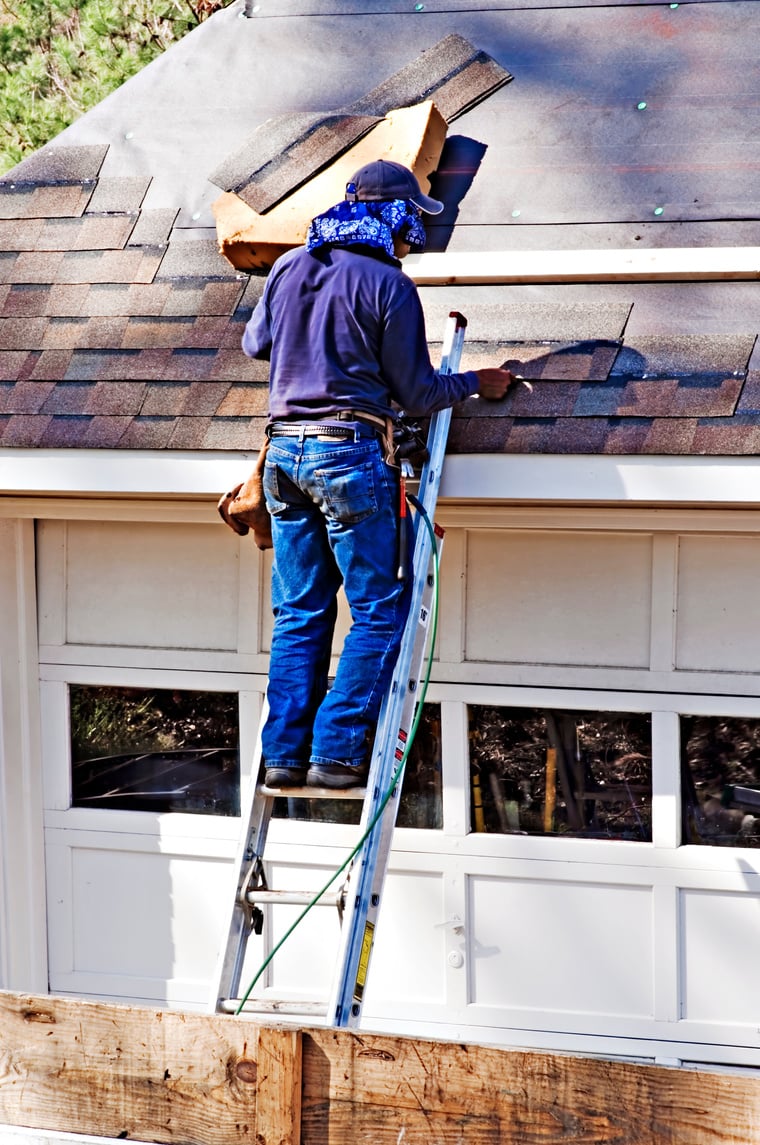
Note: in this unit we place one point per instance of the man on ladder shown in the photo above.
(343, 328)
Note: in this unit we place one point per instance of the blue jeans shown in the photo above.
(334, 508)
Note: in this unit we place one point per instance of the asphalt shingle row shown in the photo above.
(117, 331)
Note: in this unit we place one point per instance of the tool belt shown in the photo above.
(244, 507)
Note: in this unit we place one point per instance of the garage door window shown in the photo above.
(420, 804)
(720, 781)
(154, 750)
(548, 772)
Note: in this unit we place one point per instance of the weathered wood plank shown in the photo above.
(118, 1071)
(193, 1079)
(391, 1090)
(278, 1098)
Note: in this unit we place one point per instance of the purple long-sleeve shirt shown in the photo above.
(345, 330)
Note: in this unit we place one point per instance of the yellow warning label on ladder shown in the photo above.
(361, 977)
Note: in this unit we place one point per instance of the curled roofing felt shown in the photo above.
(120, 323)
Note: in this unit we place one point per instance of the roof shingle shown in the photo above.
(121, 329)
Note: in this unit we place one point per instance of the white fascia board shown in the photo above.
(127, 473)
(595, 480)
(478, 477)
(513, 267)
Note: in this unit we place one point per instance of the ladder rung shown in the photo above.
(313, 792)
(293, 898)
(262, 1006)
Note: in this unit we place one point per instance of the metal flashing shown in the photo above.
(256, 10)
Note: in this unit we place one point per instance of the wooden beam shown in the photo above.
(117, 1071)
(672, 264)
(278, 1086)
(360, 1087)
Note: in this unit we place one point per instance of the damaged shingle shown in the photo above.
(153, 227)
(286, 151)
(547, 322)
(195, 258)
(684, 354)
(452, 72)
(581, 361)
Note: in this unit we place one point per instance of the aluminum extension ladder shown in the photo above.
(358, 899)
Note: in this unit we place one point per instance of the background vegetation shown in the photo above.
(60, 57)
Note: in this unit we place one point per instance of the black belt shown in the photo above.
(307, 427)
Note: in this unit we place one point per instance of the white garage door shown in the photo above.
(579, 850)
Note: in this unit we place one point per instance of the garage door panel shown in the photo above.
(411, 920)
(561, 946)
(147, 922)
(530, 597)
(720, 940)
(138, 585)
(718, 618)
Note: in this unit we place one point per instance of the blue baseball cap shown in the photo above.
(383, 180)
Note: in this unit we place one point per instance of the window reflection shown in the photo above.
(420, 804)
(158, 749)
(720, 781)
(549, 772)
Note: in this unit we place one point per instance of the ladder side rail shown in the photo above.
(430, 480)
(363, 900)
(255, 816)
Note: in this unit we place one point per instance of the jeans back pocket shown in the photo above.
(347, 493)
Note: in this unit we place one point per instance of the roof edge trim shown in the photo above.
(506, 478)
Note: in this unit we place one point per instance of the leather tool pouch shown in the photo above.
(245, 507)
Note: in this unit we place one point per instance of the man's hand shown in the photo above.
(494, 382)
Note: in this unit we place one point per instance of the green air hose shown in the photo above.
(396, 775)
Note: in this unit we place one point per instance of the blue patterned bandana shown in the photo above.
(373, 224)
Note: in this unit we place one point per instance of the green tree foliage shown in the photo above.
(60, 57)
